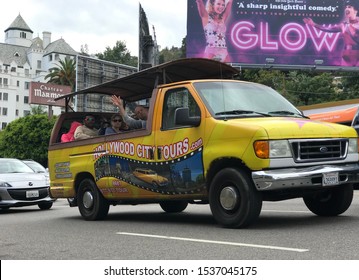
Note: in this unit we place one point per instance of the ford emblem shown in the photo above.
(323, 149)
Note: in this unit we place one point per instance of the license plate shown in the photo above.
(330, 179)
(30, 194)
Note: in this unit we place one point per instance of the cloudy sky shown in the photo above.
(99, 23)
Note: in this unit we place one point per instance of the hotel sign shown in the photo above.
(44, 94)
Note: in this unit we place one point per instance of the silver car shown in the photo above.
(21, 186)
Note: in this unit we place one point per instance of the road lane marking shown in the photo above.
(215, 242)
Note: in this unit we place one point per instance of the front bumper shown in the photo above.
(305, 177)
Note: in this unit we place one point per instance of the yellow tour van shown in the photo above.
(209, 139)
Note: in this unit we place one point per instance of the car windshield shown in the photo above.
(231, 99)
(37, 167)
(14, 166)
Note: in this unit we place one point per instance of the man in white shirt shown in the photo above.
(87, 130)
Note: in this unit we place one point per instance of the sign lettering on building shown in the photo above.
(44, 94)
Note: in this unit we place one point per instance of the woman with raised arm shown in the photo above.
(214, 17)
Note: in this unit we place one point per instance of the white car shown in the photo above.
(34, 165)
(21, 186)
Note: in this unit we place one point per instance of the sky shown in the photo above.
(99, 23)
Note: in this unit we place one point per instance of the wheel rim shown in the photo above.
(87, 200)
(228, 198)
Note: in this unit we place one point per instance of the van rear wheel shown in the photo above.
(173, 206)
(331, 202)
(92, 205)
(233, 199)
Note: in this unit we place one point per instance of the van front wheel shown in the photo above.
(233, 199)
(92, 205)
(331, 202)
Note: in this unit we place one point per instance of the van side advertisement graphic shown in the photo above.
(287, 32)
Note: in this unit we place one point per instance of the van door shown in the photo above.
(178, 149)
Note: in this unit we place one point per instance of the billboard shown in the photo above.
(284, 32)
(44, 94)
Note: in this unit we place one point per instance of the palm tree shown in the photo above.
(63, 74)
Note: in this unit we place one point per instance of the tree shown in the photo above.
(63, 74)
(167, 54)
(38, 110)
(119, 54)
(27, 138)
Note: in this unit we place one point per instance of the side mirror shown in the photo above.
(182, 118)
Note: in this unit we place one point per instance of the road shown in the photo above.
(285, 231)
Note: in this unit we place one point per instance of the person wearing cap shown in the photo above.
(350, 32)
(117, 125)
(87, 130)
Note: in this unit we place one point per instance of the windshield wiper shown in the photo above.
(285, 113)
(241, 112)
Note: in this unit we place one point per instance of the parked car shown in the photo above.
(34, 165)
(22, 186)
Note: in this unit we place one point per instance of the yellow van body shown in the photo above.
(232, 160)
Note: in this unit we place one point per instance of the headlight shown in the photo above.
(272, 149)
(353, 146)
(4, 185)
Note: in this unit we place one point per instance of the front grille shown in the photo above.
(20, 194)
(319, 150)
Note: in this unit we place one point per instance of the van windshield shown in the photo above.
(231, 99)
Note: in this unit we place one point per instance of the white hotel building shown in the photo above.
(24, 59)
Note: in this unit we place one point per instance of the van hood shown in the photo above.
(291, 128)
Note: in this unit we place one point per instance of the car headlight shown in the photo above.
(272, 149)
(4, 185)
(353, 146)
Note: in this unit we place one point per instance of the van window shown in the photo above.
(177, 98)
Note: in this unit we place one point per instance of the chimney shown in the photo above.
(46, 38)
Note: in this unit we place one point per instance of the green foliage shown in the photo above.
(348, 84)
(38, 110)
(27, 138)
(119, 54)
(63, 74)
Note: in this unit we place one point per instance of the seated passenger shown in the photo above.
(87, 130)
(117, 125)
(69, 136)
(104, 124)
(141, 112)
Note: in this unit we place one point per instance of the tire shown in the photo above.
(72, 201)
(92, 205)
(233, 199)
(173, 206)
(331, 202)
(45, 205)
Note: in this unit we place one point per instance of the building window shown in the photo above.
(27, 85)
(5, 81)
(0, 95)
(0, 81)
(23, 35)
(3, 125)
(50, 57)
(4, 111)
(27, 72)
(17, 83)
(5, 96)
(57, 56)
(13, 69)
(39, 64)
(26, 113)
(17, 98)
(16, 112)
(26, 99)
